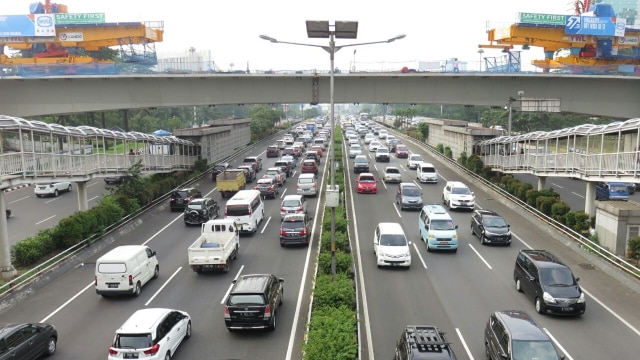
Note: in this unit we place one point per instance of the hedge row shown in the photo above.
(123, 200)
(333, 328)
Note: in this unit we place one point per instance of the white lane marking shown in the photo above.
(622, 320)
(420, 256)
(578, 195)
(522, 241)
(283, 192)
(163, 286)
(93, 183)
(464, 344)
(50, 201)
(396, 208)
(480, 256)
(417, 183)
(15, 201)
(67, 302)
(49, 218)
(161, 230)
(226, 294)
(556, 185)
(558, 344)
(296, 315)
(265, 225)
(384, 184)
(93, 198)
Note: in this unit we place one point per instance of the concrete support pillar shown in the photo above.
(590, 199)
(83, 203)
(542, 180)
(7, 269)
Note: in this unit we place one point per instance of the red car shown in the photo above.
(318, 149)
(309, 166)
(367, 184)
(402, 151)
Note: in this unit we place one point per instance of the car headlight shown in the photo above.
(455, 236)
(407, 254)
(548, 298)
(431, 235)
(581, 299)
(383, 254)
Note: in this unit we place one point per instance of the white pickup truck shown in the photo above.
(216, 247)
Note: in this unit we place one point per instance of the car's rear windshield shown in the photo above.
(133, 341)
(410, 191)
(196, 206)
(428, 169)
(293, 225)
(246, 299)
(393, 171)
(305, 180)
(291, 203)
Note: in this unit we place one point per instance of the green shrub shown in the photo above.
(559, 211)
(582, 224)
(343, 263)
(342, 241)
(544, 204)
(332, 335)
(634, 246)
(474, 164)
(440, 148)
(329, 293)
(33, 249)
(448, 153)
(570, 219)
(521, 190)
(462, 159)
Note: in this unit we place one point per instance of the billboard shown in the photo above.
(80, 18)
(595, 25)
(542, 19)
(25, 26)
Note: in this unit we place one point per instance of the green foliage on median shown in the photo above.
(332, 330)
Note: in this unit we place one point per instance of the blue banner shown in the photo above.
(16, 25)
(594, 25)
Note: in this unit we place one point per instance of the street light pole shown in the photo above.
(511, 99)
(344, 30)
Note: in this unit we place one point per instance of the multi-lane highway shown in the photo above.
(456, 292)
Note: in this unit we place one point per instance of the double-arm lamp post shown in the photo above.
(341, 30)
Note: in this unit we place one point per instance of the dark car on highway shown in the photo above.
(218, 169)
(27, 341)
(294, 229)
(490, 227)
(179, 199)
(549, 282)
(253, 302)
(201, 210)
(267, 187)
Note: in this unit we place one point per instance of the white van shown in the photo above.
(125, 270)
(246, 209)
(390, 245)
(437, 229)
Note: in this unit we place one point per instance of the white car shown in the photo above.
(457, 195)
(374, 145)
(413, 160)
(151, 333)
(354, 150)
(392, 174)
(369, 138)
(52, 188)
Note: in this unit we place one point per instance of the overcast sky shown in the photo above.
(229, 30)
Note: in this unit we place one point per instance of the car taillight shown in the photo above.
(299, 209)
(112, 351)
(282, 232)
(130, 280)
(271, 187)
(154, 349)
(226, 313)
(250, 209)
(267, 312)
(304, 231)
(313, 185)
(283, 209)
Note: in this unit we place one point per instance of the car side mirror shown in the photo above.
(508, 225)
(577, 279)
(426, 227)
(455, 227)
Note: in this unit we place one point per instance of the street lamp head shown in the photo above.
(401, 36)
(268, 38)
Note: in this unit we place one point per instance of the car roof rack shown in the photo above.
(427, 338)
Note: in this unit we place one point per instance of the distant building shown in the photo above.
(189, 61)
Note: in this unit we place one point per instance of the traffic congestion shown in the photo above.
(435, 254)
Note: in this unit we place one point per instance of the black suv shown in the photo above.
(490, 227)
(513, 334)
(27, 341)
(201, 210)
(549, 282)
(219, 169)
(180, 198)
(294, 229)
(423, 342)
(253, 302)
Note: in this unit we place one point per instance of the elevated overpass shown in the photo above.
(582, 94)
